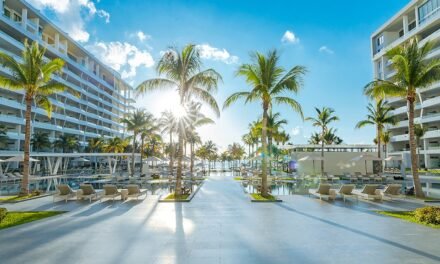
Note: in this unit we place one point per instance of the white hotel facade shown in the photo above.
(419, 18)
(104, 96)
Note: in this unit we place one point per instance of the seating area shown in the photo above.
(368, 192)
(87, 192)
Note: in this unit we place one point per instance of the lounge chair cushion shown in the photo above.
(324, 189)
(87, 189)
(133, 189)
(347, 189)
(370, 189)
(64, 189)
(393, 189)
(110, 189)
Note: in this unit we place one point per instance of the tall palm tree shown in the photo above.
(3, 137)
(116, 145)
(379, 116)
(324, 117)
(135, 121)
(95, 145)
(193, 139)
(182, 70)
(413, 71)
(66, 143)
(385, 138)
(315, 138)
(269, 83)
(149, 132)
(419, 132)
(247, 140)
(32, 73)
(169, 125)
(40, 141)
(330, 137)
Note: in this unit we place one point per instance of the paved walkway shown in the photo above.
(220, 225)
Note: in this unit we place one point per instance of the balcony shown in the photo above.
(398, 138)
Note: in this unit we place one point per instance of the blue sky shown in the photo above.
(330, 38)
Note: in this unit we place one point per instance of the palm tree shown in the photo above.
(331, 138)
(419, 132)
(3, 137)
(182, 70)
(193, 139)
(247, 140)
(269, 83)
(95, 145)
(385, 138)
(211, 149)
(323, 119)
(413, 71)
(66, 143)
(40, 141)
(135, 121)
(33, 75)
(378, 115)
(315, 138)
(149, 132)
(115, 145)
(169, 125)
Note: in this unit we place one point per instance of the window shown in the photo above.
(380, 40)
(401, 33)
(7, 13)
(412, 26)
(428, 9)
(17, 18)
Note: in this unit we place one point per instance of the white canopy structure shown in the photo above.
(313, 159)
(152, 158)
(19, 158)
(365, 158)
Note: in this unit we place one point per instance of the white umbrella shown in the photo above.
(312, 158)
(19, 158)
(398, 158)
(81, 160)
(286, 147)
(366, 157)
(152, 158)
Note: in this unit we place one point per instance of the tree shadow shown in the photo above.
(362, 233)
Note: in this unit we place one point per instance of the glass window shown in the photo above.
(428, 9)
(7, 12)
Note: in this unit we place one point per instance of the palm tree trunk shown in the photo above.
(27, 140)
(178, 190)
(132, 154)
(171, 153)
(191, 147)
(264, 160)
(322, 151)
(379, 133)
(412, 143)
(142, 153)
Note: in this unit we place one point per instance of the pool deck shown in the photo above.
(220, 225)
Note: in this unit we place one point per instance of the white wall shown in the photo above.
(335, 163)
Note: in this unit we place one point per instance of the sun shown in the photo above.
(178, 110)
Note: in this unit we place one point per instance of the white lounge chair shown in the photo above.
(392, 191)
(133, 191)
(110, 192)
(323, 191)
(370, 191)
(346, 191)
(86, 191)
(64, 192)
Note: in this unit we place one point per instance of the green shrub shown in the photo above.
(3, 212)
(428, 215)
(155, 177)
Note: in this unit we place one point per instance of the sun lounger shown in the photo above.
(87, 192)
(110, 192)
(133, 191)
(370, 191)
(323, 191)
(346, 191)
(64, 192)
(392, 191)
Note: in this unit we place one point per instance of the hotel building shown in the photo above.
(103, 96)
(419, 18)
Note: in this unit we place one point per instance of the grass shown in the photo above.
(172, 196)
(407, 216)
(19, 218)
(238, 178)
(259, 197)
(17, 198)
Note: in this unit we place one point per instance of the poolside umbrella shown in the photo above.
(365, 158)
(19, 158)
(152, 159)
(312, 158)
(81, 160)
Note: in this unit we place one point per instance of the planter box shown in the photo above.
(265, 201)
(162, 200)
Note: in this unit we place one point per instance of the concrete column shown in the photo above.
(97, 69)
(405, 25)
(24, 18)
(382, 75)
(86, 62)
(417, 15)
(57, 41)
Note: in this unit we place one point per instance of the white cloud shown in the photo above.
(122, 56)
(289, 37)
(325, 49)
(296, 131)
(142, 36)
(213, 53)
(71, 16)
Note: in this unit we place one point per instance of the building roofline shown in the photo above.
(393, 18)
(66, 35)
